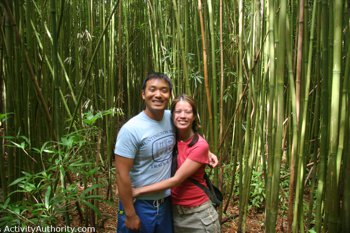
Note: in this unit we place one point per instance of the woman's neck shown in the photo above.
(185, 135)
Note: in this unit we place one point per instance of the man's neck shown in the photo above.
(155, 115)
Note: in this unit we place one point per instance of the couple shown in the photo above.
(144, 150)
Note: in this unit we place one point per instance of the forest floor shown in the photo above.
(229, 221)
(254, 223)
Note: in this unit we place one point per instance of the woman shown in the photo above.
(192, 209)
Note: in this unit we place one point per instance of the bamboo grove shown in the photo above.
(271, 78)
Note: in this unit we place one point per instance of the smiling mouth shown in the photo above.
(157, 102)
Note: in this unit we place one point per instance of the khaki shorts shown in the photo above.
(199, 219)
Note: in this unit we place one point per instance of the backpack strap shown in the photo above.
(204, 188)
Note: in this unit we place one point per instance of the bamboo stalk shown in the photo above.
(182, 48)
(87, 75)
(205, 66)
(332, 191)
(29, 65)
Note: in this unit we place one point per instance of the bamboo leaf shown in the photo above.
(93, 207)
(47, 197)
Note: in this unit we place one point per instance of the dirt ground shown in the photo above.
(229, 220)
(254, 223)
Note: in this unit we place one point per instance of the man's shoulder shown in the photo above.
(134, 119)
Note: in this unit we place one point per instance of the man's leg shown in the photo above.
(165, 217)
(156, 217)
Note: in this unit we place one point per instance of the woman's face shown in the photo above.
(183, 116)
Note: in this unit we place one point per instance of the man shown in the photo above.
(143, 156)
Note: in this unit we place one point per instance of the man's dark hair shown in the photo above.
(157, 75)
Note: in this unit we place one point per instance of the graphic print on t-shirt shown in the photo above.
(162, 148)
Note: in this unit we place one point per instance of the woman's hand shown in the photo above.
(213, 160)
(135, 192)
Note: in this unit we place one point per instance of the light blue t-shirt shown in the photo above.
(150, 143)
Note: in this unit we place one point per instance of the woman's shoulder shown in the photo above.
(202, 142)
(201, 139)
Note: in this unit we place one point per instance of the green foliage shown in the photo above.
(66, 179)
(4, 117)
(257, 191)
(90, 118)
(284, 193)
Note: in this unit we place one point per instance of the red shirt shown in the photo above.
(187, 193)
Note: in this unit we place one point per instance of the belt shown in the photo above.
(157, 202)
(192, 209)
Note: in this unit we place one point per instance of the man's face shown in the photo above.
(156, 95)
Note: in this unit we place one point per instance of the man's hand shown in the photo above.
(123, 167)
(213, 160)
(133, 222)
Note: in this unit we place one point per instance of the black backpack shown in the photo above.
(212, 191)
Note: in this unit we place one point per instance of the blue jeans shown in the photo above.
(155, 216)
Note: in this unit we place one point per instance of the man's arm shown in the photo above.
(123, 167)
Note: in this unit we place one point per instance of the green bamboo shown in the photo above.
(274, 110)
(345, 212)
(313, 69)
(222, 80)
(205, 67)
(110, 93)
(324, 133)
(271, 211)
(240, 154)
(279, 105)
(293, 131)
(332, 195)
(10, 105)
(298, 207)
(182, 47)
(56, 80)
(88, 75)
(246, 170)
(213, 134)
(18, 38)
(153, 34)
(128, 66)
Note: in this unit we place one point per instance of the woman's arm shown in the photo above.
(183, 172)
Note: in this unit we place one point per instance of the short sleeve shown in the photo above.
(199, 152)
(126, 144)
